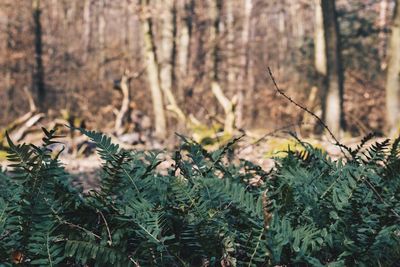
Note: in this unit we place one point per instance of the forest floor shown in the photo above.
(85, 169)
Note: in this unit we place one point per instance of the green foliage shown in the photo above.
(203, 211)
(337, 212)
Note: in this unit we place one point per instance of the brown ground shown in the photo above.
(85, 169)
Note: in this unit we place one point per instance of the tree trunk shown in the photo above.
(167, 56)
(228, 106)
(184, 38)
(244, 78)
(332, 104)
(298, 23)
(383, 7)
(167, 44)
(9, 67)
(152, 72)
(215, 10)
(101, 38)
(87, 33)
(230, 46)
(319, 40)
(38, 74)
(393, 75)
(54, 9)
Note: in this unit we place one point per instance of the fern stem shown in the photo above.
(380, 198)
(108, 229)
(48, 250)
(256, 248)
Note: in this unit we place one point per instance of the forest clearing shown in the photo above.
(200, 133)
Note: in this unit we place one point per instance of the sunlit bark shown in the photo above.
(383, 7)
(319, 40)
(393, 75)
(333, 97)
(87, 26)
(244, 75)
(160, 124)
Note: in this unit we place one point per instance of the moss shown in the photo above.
(3, 155)
(277, 146)
(210, 136)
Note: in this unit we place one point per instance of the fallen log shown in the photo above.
(23, 120)
(122, 85)
(124, 110)
(227, 105)
(20, 134)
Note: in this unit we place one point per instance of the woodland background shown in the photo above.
(236, 76)
(155, 67)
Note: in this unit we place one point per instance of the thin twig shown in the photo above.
(270, 134)
(135, 262)
(80, 228)
(108, 229)
(337, 143)
(62, 221)
(380, 197)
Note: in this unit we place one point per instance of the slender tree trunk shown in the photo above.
(167, 56)
(54, 9)
(167, 46)
(250, 81)
(101, 38)
(38, 75)
(126, 31)
(383, 7)
(215, 13)
(229, 123)
(9, 67)
(230, 44)
(245, 83)
(283, 46)
(184, 37)
(333, 97)
(213, 40)
(319, 40)
(393, 75)
(152, 72)
(71, 12)
(298, 30)
(87, 33)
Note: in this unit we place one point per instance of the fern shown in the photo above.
(309, 210)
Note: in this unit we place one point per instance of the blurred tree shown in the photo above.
(244, 75)
(195, 44)
(332, 102)
(160, 124)
(38, 75)
(230, 45)
(102, 37)
(319, 40)
(185, 32)
(383, 7)
(167, 54)
(87, 35)
(393, 75)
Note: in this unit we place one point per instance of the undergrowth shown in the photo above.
(204, 211)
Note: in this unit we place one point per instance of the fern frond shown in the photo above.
(85, 251)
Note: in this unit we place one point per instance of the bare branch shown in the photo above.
(307, 111)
